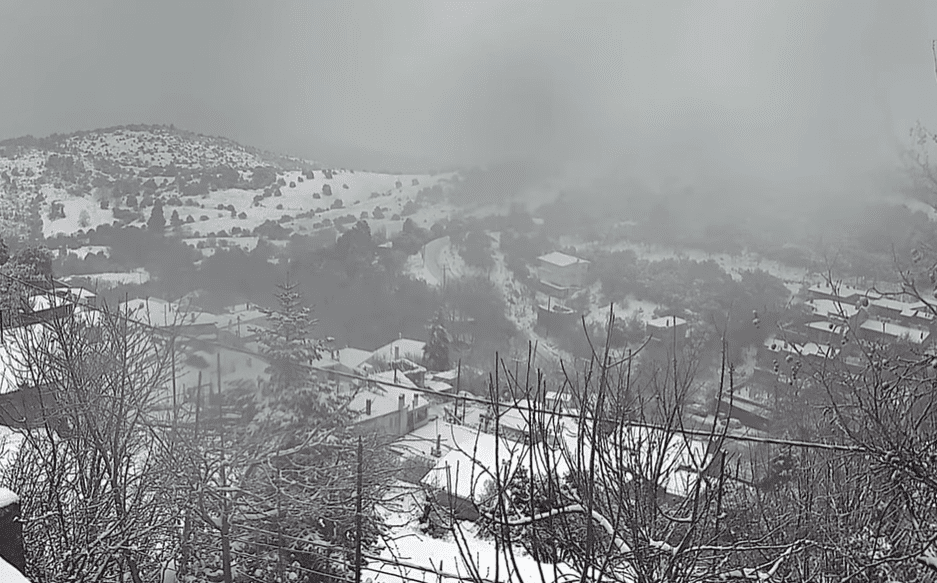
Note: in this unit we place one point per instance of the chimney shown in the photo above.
(401, 402)
(367, 407)
(396, 353)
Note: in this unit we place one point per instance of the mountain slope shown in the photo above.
(75, 182)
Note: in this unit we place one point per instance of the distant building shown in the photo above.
(839, 292)
(560, 273)
(664, 330)
(400, 348)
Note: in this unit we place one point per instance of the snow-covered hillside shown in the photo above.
(77, 182)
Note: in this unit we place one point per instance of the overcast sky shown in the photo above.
(818, 88)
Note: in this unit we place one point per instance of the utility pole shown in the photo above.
(225, 524)
(358, 512)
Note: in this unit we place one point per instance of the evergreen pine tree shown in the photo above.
(292, 394)
(157, 220)
(175, 220)
(436, 351)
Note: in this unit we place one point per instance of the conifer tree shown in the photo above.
(293, 395)
(157, 220)
(436, 351)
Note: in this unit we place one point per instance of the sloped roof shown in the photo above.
(353, 357)
(409, 348)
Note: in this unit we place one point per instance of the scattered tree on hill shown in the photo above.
(175, 220)
(326, 190)
(436, 351)
(157, 221)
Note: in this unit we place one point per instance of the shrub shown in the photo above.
(280, 207)
(398, 184)
(416, 182)
(337, 204)
(345, 186)
(203, 218)
(326, 190)
(292, 184)
(409, 208)
(316, 195)
(242, 215)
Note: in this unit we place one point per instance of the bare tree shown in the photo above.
(94, 505)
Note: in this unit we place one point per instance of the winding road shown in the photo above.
(431, 253)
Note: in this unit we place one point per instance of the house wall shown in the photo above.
(397, 422)
(569, 276)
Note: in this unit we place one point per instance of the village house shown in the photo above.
(400, 348)
(667, 330)
(385, 408)
(560, 274)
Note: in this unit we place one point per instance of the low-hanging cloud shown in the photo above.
(772, 90)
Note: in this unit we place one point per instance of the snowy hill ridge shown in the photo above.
(69, 184)
(143, 146)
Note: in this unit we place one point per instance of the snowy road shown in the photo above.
(431, 252)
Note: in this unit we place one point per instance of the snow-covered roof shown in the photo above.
(384, 399)
(827, 307)
(8, 497)
(447, 375)
(915, 335)
(46, 301)
(438, 386)
(666, 322)
(843, 291)
(466, 470)
(12, 360)
(392, 378)
(894, 305)
(560, 259)
(400, 348)
(353, 357)
(681, 459)
(806, 349)
(824, 326)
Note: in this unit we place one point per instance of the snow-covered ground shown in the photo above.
(109, 279)
(626, 310)
(733, 264)
(438, 261)
(422, 553)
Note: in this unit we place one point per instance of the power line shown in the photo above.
(483, 401)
